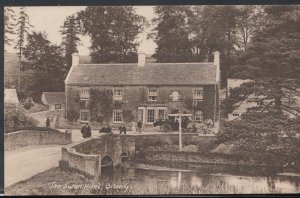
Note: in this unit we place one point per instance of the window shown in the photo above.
(117, 116)
(84, 103)
(198, 116)
(161, 114)
(197, 96)
(236, 114)
(85, 93)
(259, 103)
(57, 106)
(84, 115)
(117, 93)
(150, 116)
(152, 94)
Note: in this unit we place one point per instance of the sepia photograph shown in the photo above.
(151, 100)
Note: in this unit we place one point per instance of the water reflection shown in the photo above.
(241, 183)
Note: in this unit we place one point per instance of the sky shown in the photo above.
(49, 20)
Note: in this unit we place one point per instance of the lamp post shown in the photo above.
(180, 115)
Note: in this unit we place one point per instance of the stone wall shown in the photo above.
(133, 96)
(192, 157)
(31, 137)
(144, 141)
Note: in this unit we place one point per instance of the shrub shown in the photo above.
(64, 165)
(15, 119)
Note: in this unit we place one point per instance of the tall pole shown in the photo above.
(180, 139)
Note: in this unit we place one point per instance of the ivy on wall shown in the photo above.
(101, 105)
(127, 116)
(189, 104)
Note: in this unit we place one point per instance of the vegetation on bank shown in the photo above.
(68, 182)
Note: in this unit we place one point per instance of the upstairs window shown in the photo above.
(117, 93)
(57, 106)
(85, 93)
(152, 94)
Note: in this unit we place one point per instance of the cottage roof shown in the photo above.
(55, 97)
(150, 74)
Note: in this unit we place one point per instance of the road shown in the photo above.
(25, 162)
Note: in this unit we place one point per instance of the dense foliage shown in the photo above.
(9, 22)
(113, 31)
(45, 60)
(70, 32)
(101, 105)
(15, 119)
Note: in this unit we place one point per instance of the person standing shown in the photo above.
(122, 129)
(140, 125)
(86, 130)
(133, 128)
(48, 123)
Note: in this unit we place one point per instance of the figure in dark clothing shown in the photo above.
(122, 129)
(86, 131)
(47, 123)
(105, 129)
(140, 125)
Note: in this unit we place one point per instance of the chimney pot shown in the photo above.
(75, 59)
(141, 59)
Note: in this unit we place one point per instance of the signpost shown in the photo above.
(179, 117)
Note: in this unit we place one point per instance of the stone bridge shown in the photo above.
(90, 154)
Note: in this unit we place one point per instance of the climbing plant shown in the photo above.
(127, 116)
(189, 104)
(101, 105)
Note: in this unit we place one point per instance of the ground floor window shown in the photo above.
(198, 116)
(150, 115)
(141, 114)
(161, 114)
(84, 115)
(117, 116)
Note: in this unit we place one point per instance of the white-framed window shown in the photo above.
(117, 93)
(117, 116)
(198, 116)
(57, 106)
(152, 94)
(161, 114)
(85, 93)
(84, 115)
(259, 103)
(197, 95)
(235, 114)
(150, 115)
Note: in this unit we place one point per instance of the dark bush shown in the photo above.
(64, 165)
(15, 119)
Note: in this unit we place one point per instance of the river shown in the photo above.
(222, 182)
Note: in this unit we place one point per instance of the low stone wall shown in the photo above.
(31, 137)
(89, 164)
(144, 141)
(192, 157)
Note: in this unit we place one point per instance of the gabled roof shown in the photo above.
(150, 74)
(55, 97)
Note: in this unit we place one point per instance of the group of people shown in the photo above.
(86, 129)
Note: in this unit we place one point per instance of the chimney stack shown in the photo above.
(141, 59)
(217, 64)
(75, 59)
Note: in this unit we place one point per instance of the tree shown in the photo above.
(171, 34)
(249, 20)
(9, 22)
(70, 31)
(23, 26)
(47, 63)
(113, 31)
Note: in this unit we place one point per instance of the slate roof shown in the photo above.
(150, 74)
(55, 97)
